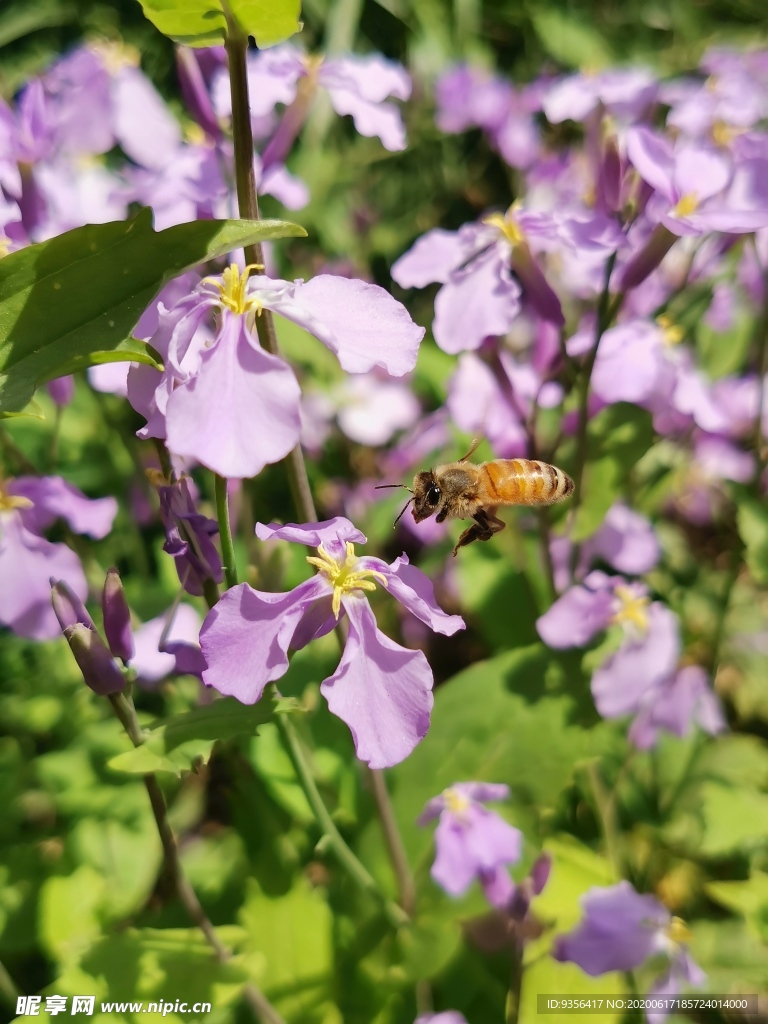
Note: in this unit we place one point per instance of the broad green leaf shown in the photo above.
(753, 528)
(748, 898)
(176, 744)
(510, 719)
(150, 964)
(734, 819)
(75, 299)
(547, 978)
(203, 23)
(733, 959)
(70, 918)
(126, 858)
(294, 934)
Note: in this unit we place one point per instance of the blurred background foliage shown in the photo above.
(84, 906)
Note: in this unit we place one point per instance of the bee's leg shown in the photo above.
(484, 527)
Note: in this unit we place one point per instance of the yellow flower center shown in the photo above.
(678, 931)
(723, 134)
(343, 576)
(115, 55)
(232, 286)
(12, 501)
(686, 205)
(632, 609)
(507, 225)
(456, 802)
(672, 333)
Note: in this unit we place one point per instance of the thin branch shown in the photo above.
(225, 530)
(394, 842)
(126, 712)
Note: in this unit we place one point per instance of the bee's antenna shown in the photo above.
(381, 487)
(476, 441)
(405, 509)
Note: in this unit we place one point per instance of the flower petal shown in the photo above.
(431, 258)
(412, 588)
(363, 325)
(240, 412)
(481, 300)
(27, 564)
(381, 690)
(246, 636)
(54, 498)
(337, 530)
(575, 617)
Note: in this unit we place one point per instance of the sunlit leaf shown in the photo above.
(203, 22)
(74, 300)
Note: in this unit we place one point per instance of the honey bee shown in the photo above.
(464, 490)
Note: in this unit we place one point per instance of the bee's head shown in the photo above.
(426, 496)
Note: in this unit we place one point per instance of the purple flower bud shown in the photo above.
(117, 617)
(69, 609)
(540, 873)
(99, 668)
(648, 258)
(62, 389)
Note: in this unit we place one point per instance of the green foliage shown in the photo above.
(72, 302)
(753, 527)
(204, 22)
(181, 742)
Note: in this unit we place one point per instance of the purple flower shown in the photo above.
(381, 690)
(167, 645)
(697, 189)
(446, 1017)
(234, 407)
(368, 408)
(479, 297)
(625, 93)
(188, 536)
(470, 97)
(682, 700)
(621, 930)
(28, 506)
(358, 86)
(472, 842)
(117, 617)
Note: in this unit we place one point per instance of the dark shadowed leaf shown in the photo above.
(74, 300)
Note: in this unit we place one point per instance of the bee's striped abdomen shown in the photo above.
(526, 482)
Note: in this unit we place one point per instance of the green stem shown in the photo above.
(126, 712)
(606, 311)
(248, 206)
(394, 842)
(8, 990)
(395, 914)
(606, 811)
(225, 530)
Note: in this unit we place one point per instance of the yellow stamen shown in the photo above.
(686, 205)
(12, 501)
(455, 802)
(343, 576)
(115, 55)
(678, 931)
(672, 333)
(233, 289)
(723, 134)
(632, 609)
(507, 225)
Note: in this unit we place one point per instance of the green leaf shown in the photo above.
(70, 918)
(294, 934)
(75, 299)
(748, 898)
(547, 977)
(203, 23)
(571, 40)
(178, 743)
(734, 819)
(753, 528)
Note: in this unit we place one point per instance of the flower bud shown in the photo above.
(117, 617)
(68, 607)
(99, 668)
(540, 873)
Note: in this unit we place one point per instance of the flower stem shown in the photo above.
(606, 311)
(8, 990)
(395, 914)
(394, 841)
(607, 813)
(248, 205)
(126, 712)
(225, 530)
